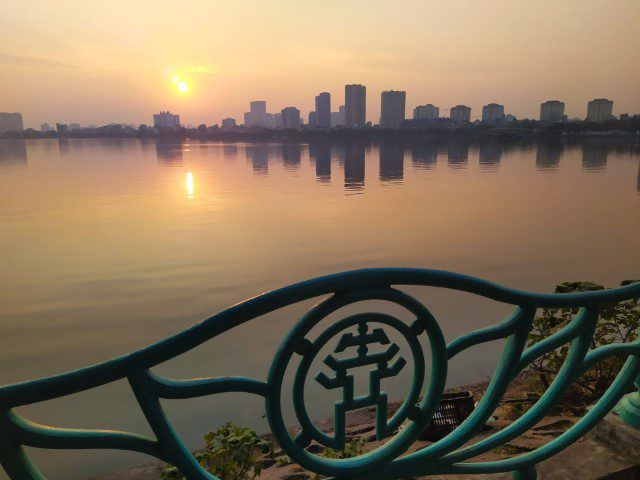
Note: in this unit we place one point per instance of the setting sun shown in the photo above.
(183, 86)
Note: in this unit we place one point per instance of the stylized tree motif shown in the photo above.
(363, 358)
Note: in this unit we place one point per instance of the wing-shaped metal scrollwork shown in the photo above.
(359, 340)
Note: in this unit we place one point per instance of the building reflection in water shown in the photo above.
(638, 181)
(168, 151)
(458, 155)
(391, 162)
(594, 156)
(258, 155)
(354, 154)
(490, 154)
(548, 155)
(13, 152)
(320, 155)
(291, 155)
(230, 151)
(63, 146)
(424, 156)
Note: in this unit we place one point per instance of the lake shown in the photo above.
(109, 245)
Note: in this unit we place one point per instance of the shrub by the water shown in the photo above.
(618, 323)
(231, 453)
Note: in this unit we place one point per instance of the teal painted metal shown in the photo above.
(355, 335)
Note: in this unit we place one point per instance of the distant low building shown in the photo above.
(313, 119)
(552, 111)
(11, 122)
(290, 117)
(426, 112)
(61, 128)
(492, 113)
(45, 127)
(76, 126)
(599, 110)
(393, 107)
(166, 120)
(338, 118)
(228, 123)
(460, 114)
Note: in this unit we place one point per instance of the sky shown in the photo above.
(118, 61)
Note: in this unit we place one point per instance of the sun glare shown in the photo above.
(183, 86)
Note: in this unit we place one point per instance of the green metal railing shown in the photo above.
(356, 333)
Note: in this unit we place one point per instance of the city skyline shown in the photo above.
(122, 62)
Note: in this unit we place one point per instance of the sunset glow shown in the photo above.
(514, 53)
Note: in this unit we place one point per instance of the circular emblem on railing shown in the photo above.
(361, 340)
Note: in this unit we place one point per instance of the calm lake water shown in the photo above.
(110, 245)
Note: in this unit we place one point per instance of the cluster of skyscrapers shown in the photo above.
(352, 114)
(393, 112)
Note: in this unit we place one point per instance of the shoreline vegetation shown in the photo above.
(512, 130)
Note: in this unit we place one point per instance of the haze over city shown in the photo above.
(84, 62)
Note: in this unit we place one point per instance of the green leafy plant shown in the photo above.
(353, 448)
(618, 323)
(231, 453)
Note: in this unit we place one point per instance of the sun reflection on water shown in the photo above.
(188, 183)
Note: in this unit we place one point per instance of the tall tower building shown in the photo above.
(258, 110)
(392, 108)
(460, 114)
(355, 105)
(492, 113)
(599, 110)
(551, 111)
(323, 110)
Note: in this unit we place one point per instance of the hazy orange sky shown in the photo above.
(99, 62)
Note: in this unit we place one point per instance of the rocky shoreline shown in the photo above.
(361, 425)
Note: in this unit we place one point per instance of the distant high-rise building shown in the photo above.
(269, 120)
(166, 120)
(323, 109)
(258, 110)
(492, 113)
(599, 110)
(313, 119)
(45, 127)
(460, 113)
(11, 122)
(426, 112)
(228, 123)
(290, 117)
(393, 104)
(551, 111)
(247, 119)
(61, 128)
(355, 105)
(337, 118)
(277, 117)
